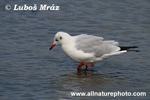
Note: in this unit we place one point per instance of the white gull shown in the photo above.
(87, 49)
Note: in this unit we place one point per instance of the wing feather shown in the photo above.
(96, 45)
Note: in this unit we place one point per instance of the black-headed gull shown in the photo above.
(87, 49)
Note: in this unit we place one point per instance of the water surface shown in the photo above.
(29, 71)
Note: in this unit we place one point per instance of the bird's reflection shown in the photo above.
(83, 80)
(84, 73)
(88, 80)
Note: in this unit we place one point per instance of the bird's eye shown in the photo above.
(60, 37)
(56, 40)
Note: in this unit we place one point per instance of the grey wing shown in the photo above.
(96, 45)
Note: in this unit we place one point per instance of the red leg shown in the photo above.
(86, 67)
(92, 64)
(81, 64)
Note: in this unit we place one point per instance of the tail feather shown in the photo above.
(129, 47)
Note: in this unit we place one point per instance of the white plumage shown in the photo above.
(86, 48)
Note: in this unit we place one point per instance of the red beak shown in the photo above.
(52, 46)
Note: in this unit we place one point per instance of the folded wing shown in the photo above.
(96, 45)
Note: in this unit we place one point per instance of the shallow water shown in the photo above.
(29, 71)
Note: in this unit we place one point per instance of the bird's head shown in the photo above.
(60, 38)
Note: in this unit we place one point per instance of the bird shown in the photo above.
(88, 49)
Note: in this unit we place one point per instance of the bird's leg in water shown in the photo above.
(81, 64)
(86, 67)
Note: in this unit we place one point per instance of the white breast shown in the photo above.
(77, 55)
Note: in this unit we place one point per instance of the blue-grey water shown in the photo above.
(29, 71)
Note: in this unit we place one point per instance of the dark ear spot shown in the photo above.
(56, 40)
(60, 38)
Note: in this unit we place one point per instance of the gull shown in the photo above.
(88, 49)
